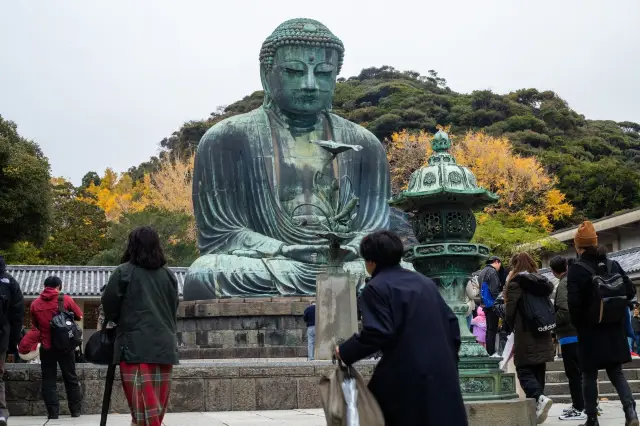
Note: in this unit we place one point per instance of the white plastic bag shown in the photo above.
(351, 399)
(507, 353)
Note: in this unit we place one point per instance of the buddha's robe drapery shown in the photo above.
(241, 224)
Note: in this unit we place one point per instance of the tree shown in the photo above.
(118, 194)
(521, 183)
(171, 188)
(25, 193)
(77, 229)
(601, 188)
(173, 228)
(507, 234)
(23, 253)
(90, 178)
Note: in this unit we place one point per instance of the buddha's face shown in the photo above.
(303, 78)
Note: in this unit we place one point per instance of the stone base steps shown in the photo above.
(566, 399)
(557, 386)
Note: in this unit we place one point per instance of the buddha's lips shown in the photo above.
(307, 97)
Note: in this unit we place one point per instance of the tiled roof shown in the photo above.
(76, 280)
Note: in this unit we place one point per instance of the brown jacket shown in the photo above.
(529, 348)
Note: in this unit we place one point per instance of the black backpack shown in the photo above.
(66, 335)
(538, 313)
(610, 302)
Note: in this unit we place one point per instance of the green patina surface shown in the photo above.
(286, 191)
(442, 197)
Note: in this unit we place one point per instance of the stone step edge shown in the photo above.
(608, 396)
(633, 381)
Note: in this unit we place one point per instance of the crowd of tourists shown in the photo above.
(593, 317)
(403, 317)
(139, 302)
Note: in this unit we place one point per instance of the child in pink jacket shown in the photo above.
(479, 324)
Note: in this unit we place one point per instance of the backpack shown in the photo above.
(487, 298)
(538, 313)
(66, 335)
(610, 294)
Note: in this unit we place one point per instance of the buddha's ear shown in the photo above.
(265, 87)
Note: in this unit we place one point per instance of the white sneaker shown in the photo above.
(3, 421)
(496, 355)
(542, 408)
(572, 414)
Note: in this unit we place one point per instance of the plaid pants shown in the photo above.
(147, 388)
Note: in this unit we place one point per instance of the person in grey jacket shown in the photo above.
(489, 277)
(568, 339)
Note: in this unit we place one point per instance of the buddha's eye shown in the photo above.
(324, 69)
(294, 72)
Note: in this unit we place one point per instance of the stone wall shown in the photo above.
(243, 328)
(196, 386)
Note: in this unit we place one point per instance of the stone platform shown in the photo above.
(224, 385)
(269, 327)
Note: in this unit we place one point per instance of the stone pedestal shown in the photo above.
(265, 327)
(513, 412)
(336, 311)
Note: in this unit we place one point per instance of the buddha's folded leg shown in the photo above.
(215, 276)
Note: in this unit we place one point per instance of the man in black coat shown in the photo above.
(601, 345)
(490, 278)
(403, 315)
(11, 316)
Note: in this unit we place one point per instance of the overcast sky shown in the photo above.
(99, 83)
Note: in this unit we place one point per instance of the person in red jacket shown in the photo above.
(43, 309)
(29, 347)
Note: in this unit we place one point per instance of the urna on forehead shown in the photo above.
(300, 32)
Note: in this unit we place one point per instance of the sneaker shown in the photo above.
(542, 408)
(592, 421)
(496, 355)
(3, 421)
(635, 355)
(572, 414)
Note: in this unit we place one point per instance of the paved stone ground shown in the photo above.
(612, 416)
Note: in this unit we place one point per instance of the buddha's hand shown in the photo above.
(247, 253)
(352, 253)
(317, 254)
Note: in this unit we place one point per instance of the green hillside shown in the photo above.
(597, 162)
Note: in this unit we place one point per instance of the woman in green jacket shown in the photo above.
(142, 299)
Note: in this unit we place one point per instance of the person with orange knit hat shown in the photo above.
(602, 338)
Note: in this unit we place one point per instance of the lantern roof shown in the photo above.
(442, 181)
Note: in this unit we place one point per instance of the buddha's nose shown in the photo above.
(310, 82)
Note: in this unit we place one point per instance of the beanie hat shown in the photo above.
(586, 236)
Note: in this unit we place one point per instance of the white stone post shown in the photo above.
(336, 311)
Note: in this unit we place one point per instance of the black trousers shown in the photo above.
(572, 370)
(590, 388)
(532, 379)
(492, 330)
(50, 359)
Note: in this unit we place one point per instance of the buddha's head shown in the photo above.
(299, 63)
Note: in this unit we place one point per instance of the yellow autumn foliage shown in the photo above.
(170, 187)
(117, 194)
(521, 182)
